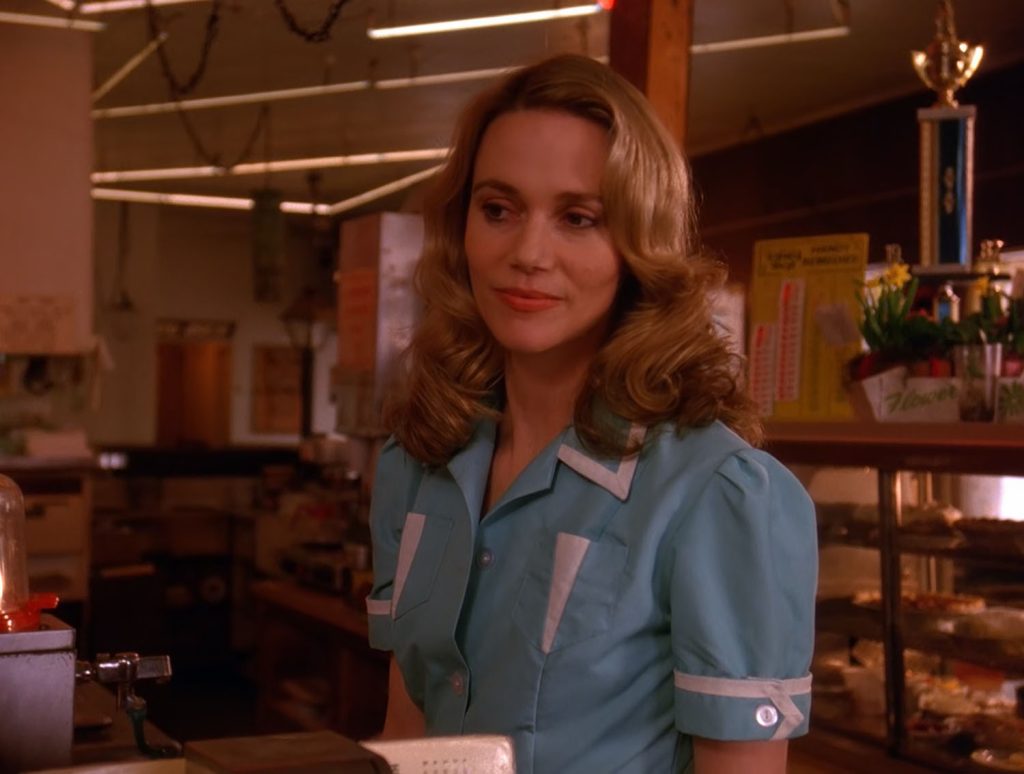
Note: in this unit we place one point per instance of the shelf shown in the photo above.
(973, 651)
(961, 447)
(1010, 556)
(841, 616)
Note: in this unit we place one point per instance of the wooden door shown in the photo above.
(194, 393)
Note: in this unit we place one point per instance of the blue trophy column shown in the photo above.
(947, 182)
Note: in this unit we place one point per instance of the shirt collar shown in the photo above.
(470, 465)
(614, 474)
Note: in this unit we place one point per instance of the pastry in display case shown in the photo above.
(927, 656)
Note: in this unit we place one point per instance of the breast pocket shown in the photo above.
(570, 591)
(420, 553)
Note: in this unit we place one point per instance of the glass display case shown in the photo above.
(920, 621)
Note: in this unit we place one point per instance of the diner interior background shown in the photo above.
(801, 138)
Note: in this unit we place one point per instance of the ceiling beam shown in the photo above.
(649, 44)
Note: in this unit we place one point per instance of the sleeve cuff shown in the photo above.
(378, 613)
(743, 709)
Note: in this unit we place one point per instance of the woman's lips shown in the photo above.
(526, 300)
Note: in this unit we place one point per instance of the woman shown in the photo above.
(573, 543)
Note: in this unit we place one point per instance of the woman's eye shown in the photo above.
(494, 211)
(580, 219)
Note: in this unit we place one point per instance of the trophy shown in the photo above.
(947, 148)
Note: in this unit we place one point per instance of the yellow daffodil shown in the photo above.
(897, 275)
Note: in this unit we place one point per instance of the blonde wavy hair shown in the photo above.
(663, 360)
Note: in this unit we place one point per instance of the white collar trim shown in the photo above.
(618, 481)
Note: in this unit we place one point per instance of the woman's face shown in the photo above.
(541, 261)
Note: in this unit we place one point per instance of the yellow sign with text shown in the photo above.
(802, 308)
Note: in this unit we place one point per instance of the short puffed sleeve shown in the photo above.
(743, 580)
(394, 486)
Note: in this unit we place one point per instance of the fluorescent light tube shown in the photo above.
(259, 97)
(59, 22)
(228, 100)
(264, 167)
(769, 40)
(376, 193)
(193, 200)
(130, 65)
(108, 6)
(479, 22)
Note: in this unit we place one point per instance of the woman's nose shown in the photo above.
(532, 250)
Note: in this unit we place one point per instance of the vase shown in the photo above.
(1013, 365)
(978, 367)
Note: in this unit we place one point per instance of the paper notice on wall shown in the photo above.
(789, 340)
(37, 325)
(792, 280)
(762, 366)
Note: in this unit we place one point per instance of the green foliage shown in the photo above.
(888, 327)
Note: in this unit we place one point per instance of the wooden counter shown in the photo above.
(963, 447)
(329, 610)
(316, 670)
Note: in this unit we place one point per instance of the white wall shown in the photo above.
(189, 263)
(45, 160)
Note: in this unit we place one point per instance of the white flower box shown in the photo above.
(893, 396)
(1010, 399)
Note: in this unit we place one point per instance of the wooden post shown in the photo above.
(649, 44)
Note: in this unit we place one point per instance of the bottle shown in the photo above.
(946, 304)
(989, 259)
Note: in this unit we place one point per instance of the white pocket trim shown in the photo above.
(412, 533)
(569, 553)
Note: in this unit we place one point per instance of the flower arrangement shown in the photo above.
(895, 334)
(898, 334)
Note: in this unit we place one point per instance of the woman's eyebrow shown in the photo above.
(580, 197)
(497, 185)
(566, 197)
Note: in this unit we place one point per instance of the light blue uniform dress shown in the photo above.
(605, 610)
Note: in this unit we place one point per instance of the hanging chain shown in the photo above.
(178, 90)
(155, 29)
(319, 35)
(214, 159)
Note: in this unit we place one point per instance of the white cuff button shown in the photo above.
(766, 716)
